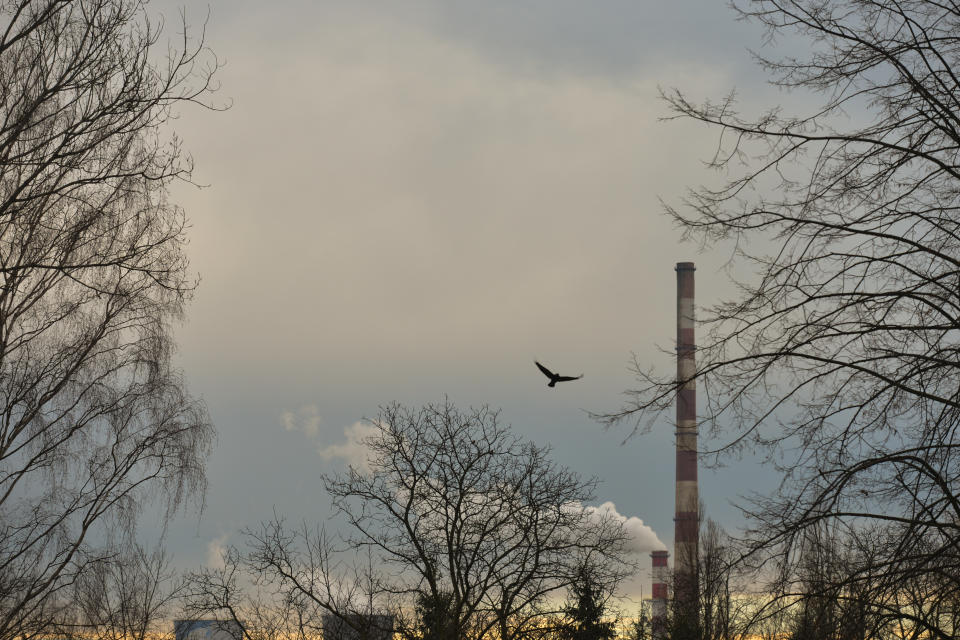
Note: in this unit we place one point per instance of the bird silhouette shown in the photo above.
(555, 377)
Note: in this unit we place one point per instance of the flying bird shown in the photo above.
(555, 377)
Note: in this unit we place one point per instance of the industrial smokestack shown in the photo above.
(658, 603)
(686, 519)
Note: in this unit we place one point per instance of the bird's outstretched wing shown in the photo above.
(567, 378)
(546, 372)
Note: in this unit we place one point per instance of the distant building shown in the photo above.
(207, 630)
(357, 627)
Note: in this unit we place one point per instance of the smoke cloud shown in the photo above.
(643, 539)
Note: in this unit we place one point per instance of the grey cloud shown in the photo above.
(615, 38)
(608, 37)
(413, 201)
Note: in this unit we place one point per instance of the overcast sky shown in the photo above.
(413, 200)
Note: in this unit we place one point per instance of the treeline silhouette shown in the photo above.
(836, 361)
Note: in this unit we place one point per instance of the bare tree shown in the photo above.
(461, 506)
(716, 599)
(771, 624)
(94, 420)
(467, 532)
(246, 597)
(839, 360)
(728, 605)
(128, 597)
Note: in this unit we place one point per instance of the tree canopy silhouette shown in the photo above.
(839, 359)
(465, 531)
(95, 422)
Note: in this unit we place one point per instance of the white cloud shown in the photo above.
(643, 539)
(216, 549)
(306, 419)
(354, 451)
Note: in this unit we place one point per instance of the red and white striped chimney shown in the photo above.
(658, 603)
(686, 519)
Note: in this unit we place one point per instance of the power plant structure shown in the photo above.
(658, 603)
(686, 515)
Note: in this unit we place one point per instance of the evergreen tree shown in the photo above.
(585, 611)
(639, 628)
(435, 618)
